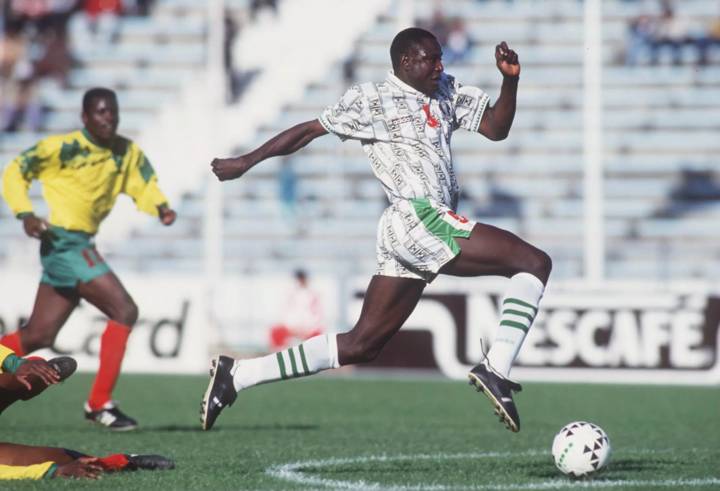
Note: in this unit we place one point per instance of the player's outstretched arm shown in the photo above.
(84, 467)
(497, 120)
(285, 143)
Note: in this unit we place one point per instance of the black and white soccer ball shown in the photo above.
(581, 448)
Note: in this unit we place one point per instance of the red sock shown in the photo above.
(114, 462)
(112, 351)
(12, 341)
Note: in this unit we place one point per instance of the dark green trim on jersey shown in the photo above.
(29, 161)
(11, 363)
(68, 152)
(146, 170)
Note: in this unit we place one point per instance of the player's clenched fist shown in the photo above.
(507, 60)
(226, 169)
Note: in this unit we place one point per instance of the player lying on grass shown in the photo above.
(82, 174)
(23, 379)
(33, 462)
(404, 125)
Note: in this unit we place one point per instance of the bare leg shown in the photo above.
(388, 303)
(111, 298)
(52, 308)
(492, 251)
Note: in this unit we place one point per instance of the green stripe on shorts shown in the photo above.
(432, 219)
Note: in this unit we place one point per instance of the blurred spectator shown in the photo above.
(137, 7)
(302, 317)
(34, 46)
(450, 33)
(709, 39)
(349, 67)
(257, 6)
(640, 36)
(231, 77)
(696, 190)
(438, 24)
(672, 32)
(15, 78)
(651, 35)
(287, 192)
(101, 19)
(458, 42)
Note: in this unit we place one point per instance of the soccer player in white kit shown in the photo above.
(404, 125)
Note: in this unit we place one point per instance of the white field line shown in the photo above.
(293, 472)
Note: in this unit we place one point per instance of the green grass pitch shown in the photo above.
(381, 433)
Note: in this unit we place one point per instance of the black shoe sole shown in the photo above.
(64, 366)
(206, 398)
(505, 418)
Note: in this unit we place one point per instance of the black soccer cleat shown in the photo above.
(64, 366)
(111, 417)
(220, 393)
(499, 390)
(149, 462)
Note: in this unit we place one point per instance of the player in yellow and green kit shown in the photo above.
(23, 379)
(82, 174)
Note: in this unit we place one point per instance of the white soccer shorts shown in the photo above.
(416, 238)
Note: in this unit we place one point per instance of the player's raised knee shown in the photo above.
(539, 264)
(126, 313)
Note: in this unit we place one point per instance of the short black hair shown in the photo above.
(404, 40)
(96, 93)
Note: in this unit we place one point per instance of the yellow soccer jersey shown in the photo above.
(36, 471)
(81, 180)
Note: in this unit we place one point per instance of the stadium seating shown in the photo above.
(660, 123)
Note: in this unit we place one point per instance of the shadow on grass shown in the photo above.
(224, 427)
(615, 469)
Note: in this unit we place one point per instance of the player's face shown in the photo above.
(423, 66)
(102, 118)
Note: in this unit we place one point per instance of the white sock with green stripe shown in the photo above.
(316, 354)
(518, 311)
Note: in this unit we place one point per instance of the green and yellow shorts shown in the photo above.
(69, 257)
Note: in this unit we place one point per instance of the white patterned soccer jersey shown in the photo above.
(406, 136)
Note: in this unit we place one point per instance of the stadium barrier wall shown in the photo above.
(169, 337)
(612, 332)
